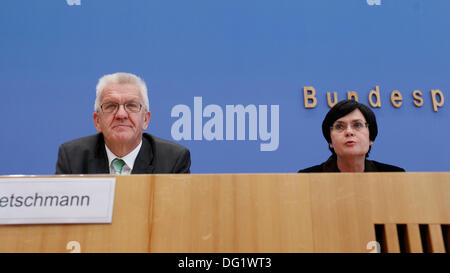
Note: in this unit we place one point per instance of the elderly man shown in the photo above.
(121, 115)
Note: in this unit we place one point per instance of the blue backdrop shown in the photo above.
(206, 58)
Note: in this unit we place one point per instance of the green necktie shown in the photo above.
(118, 165)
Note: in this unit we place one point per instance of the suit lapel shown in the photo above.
(100, 163)
(144, 159)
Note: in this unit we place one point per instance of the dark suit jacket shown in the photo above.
(370, 166)
(87, 155)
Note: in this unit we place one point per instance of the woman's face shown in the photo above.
(350, 136)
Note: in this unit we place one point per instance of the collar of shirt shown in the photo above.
(129, 159)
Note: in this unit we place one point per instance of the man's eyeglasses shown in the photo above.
(112, 107)
(356, 126)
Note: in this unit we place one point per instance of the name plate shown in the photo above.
(35, 200)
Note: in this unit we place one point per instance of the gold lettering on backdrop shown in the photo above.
(309, 93)
(396, 98)
(352, 95)
(375, 93)
(418, 101)
(374, 98)
(437, 104)
(335, 99)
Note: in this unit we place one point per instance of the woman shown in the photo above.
(350, 129)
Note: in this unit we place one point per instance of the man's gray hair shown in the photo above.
(121, 77)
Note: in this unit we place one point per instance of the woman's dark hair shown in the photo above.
(343, 108)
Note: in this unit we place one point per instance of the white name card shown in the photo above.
(37, 200)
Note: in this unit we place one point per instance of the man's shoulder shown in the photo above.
(83, 146)
(87, 142)
(382, 167)
(165, 156)
(158, 143)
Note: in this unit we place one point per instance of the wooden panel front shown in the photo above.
(257, 213)
(231, 213)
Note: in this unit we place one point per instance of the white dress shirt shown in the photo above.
(129, 159)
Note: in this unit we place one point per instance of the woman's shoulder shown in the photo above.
(329, 166)
(379, 167)
(313, 169)
(382, 167)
